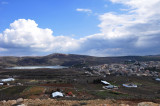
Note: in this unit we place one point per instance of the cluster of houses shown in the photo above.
(134, 69)
(106, 85)
(109, 86)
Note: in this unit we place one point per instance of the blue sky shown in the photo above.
(90, 27)
(58, 15)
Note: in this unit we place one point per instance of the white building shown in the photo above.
(105, 82)
(57, 94)
(130, 85)
(1, 83)
(8, 79)
(110, 87)
(157, 79)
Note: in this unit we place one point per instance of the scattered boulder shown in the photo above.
(20, 100)
(148, 104)
(10, 103)
(4, 101)
(21, 105)
(123, 105)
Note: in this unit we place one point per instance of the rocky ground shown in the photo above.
(98, 102)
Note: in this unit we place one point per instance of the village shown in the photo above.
(128, 69)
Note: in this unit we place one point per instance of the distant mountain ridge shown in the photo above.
(68, 60)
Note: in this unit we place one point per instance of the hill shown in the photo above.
(68, 60)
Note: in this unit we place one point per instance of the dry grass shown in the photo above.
(33, 92)
(97, 102)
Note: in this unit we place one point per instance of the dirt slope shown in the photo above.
(98, 102)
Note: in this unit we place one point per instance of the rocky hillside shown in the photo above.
(54, 102)
(68, 60)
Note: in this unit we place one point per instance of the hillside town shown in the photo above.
(129, 68)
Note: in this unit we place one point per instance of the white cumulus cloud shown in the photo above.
(25, 35)
(136, 32)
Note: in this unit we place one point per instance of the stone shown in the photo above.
(20, 100)
(11, 102)
(123, 105)
(21, 105)
(148, 104)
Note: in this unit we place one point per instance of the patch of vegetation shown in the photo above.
(116, 93)
(32, 91)
(1, 87)
(110, 94)
(11, 93)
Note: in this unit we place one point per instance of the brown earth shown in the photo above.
(58, 85)
(98, 102)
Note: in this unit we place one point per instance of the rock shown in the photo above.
(21, 105)
(1, 103)
(105, 105)
(4, 101)
(10, 102)
(113, 101)
(148, 104)
(123, 105)
(20, 100)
